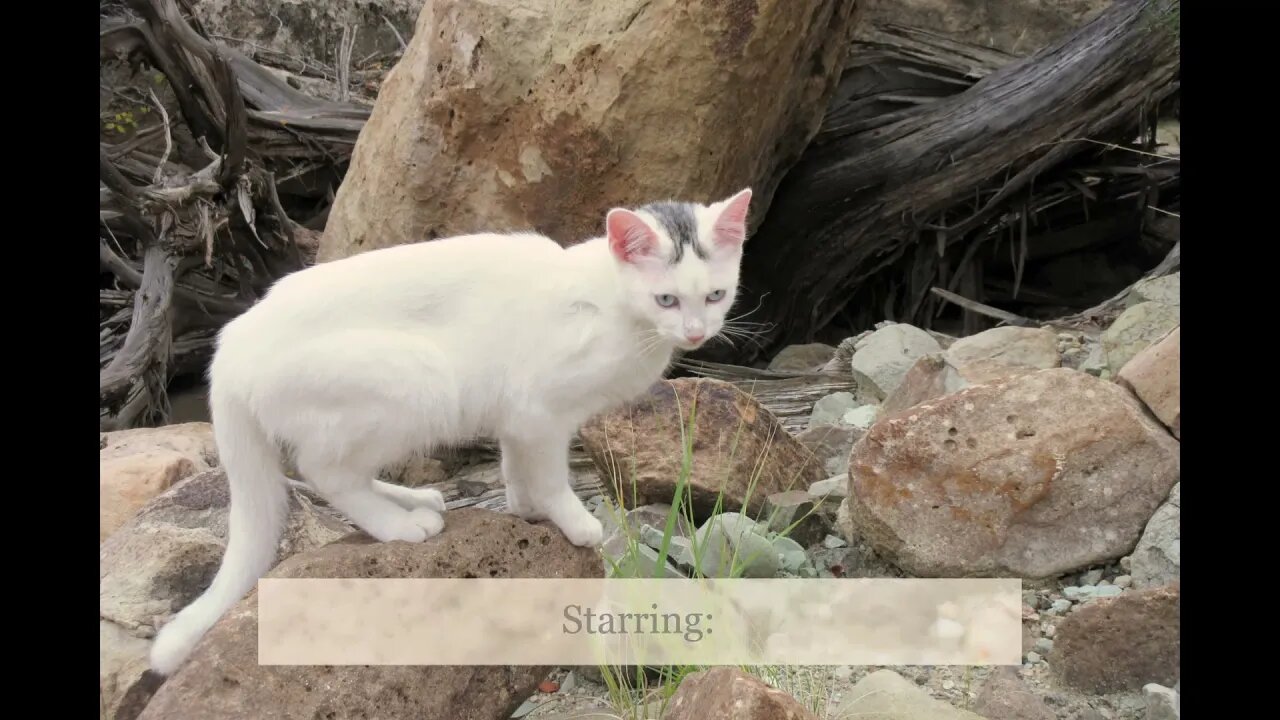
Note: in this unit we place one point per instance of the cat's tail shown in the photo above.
(259, 505)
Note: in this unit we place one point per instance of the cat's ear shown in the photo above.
(730, 229)
(631, 239)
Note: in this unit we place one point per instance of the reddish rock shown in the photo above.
(222, 678)
(1154, 376)
(739, 448)
(1121, 643)
(1032, 476)
(727, 693)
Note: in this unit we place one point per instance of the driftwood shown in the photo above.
(905, 183)
(193, 228)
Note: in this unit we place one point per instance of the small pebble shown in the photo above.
(1107, 591)
(1124, 563)
(844, 672)
(1091, 578)
(1124, 581)
(831, 542)
(1044, 646)
(1059, 607)
(1072, 592)
(948, 684)
(1033, 657)
(1050, 630)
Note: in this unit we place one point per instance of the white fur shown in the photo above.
(357, 363)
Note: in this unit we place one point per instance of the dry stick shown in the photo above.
(168, 138)
(981, 309)
(149, 329)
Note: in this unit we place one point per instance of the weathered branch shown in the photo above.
(860, 200)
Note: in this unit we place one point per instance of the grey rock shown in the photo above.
(1033, 657)
(886, 695)
(732, 545)
(830, 410)
(656, 515)
(631, 559)
(807, 357)
(1059, 607)
(1123, 581)
(835, 487)
(1135, 330)
(1091, 577)
(1044, 646)
(1157, 559)
(831, 542)
(791, 556)
(1166, 289)
(830, 444)
(861, 417)
(798, 515)
(1162, 703)
(883, 358)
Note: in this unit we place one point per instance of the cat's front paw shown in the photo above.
(580, 528)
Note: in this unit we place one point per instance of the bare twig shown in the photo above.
(981, 309)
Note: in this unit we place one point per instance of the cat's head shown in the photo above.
(679, 263)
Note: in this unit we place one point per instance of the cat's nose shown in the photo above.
(693, 338)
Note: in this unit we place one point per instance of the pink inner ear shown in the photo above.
(731, 227)
(630, 238)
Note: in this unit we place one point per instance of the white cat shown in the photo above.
(357, 363)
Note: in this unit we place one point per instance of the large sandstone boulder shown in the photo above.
(160, 561)
(1032, 476)
(1122, 643)
(222, 678)
(136, 465)
(727, 693)
(542, 116)
(740, 455)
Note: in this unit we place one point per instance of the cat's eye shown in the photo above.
(715, 296)
(667, 301)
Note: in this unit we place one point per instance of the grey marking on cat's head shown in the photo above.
(681, 225)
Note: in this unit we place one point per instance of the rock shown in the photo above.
(161, 560)
(545, 121)
(310, 30)
(930, 377)
(739, 448)
(656, 515)
(417, 471)
(631, 559)
(804, 358)
(861, 417)
(836, 487)
(844, 521)
(727, 693)
(733, 545)
(831, 444)
(1044, 646)
(1059, 607)
(791, 557)
(223, 677)
(797, 514)
(1033, 476)
(886, 695)
(830, 410)
(136, 465)
(881, 363)
(1005, 696)
(1162, 703)
(1095, 363)
(1135, 330)
(1166, 289)
(1091, 577)
(1120, 644)
(831, 542)
(1157, 560)
(1124, 581)
(1154, 376)
(1034, 657)
(990, 353)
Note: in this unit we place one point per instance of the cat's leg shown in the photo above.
(351, 492)
(536, 469)
(411, 498)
